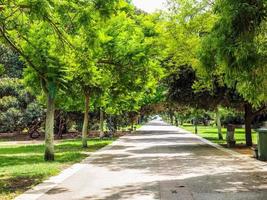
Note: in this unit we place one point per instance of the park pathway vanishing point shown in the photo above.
(162, 162)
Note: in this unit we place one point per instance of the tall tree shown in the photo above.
(235, 47)
(40, 31)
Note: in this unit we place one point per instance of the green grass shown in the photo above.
(22, 166)
(136, 126)
(211, 133)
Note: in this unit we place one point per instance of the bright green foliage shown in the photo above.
(88, 78)
(45, 33)
(186, 23)
(129, 50)
(34, 30)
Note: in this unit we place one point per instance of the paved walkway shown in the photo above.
(166, 163)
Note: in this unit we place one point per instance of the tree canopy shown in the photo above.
(112, 59)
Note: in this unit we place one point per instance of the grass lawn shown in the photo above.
(22, 166)
(211, 133)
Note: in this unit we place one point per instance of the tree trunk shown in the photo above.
(139, 119)
(86, 121)
(219, 124)
(49, 128)
(171, 118)
(132, 125)
(230, 135)
(101, 123)
(195, 123)
(176, 121)
(248, 121)
(115, 124)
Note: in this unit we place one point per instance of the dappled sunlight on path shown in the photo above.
(163, 162)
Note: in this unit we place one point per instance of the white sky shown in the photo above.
(149, 5)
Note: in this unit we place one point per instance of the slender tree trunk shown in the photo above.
(132, 125)
(49, 128)
(141, 119)
(86, 121)
(195, 123)
(219, 125)
(248, 121)
(176, 121)
(101, 123)
(115, 124)
(230, 135)
(171, 118)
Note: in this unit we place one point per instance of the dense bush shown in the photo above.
(232, 118)
(18, 108)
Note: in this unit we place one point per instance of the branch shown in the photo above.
(259, 111)
(108, 62)
(3, 6)
(59, 33)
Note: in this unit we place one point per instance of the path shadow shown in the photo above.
(178, 165)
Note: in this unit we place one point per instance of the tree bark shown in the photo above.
(195, 123)
(49, 128)
(230, 136)
(132, 125)
(85, 121)
(219, 124)
(101, 123)
(171, 115)
(176, 121)
(248, 121)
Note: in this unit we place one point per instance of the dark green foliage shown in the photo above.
(12, 66)
(234, 33)
(233, 119)
(235, 46)
(17, 107)
(181, 91)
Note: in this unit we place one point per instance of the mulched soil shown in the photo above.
(242, 149)
(16, 136)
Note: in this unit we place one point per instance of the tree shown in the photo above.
(185, 25)
(91, 72)
(235, 46)
(186, 90)
(131, 54)
(39, 31)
